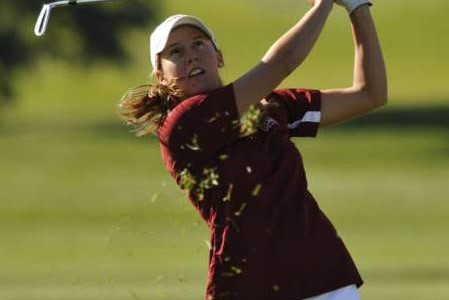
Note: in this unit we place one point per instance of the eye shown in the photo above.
(198, 43)
(175, 51)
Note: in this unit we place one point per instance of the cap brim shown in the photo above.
(161, 34)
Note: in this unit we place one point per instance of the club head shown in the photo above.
(42, 20)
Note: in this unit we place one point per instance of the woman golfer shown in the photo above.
(230, 147)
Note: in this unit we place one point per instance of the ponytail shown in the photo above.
(146, 106)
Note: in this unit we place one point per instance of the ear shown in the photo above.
(220, 59)
(159, 75)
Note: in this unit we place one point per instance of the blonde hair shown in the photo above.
(146, 106)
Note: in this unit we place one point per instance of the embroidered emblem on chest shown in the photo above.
(267, 123)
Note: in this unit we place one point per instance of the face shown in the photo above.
(191, 60)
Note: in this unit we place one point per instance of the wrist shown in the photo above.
(324, 4)
(352, 5)
(360, 11)
(361, 7)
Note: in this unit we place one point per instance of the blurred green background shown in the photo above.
(87, 211)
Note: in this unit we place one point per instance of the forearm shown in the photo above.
(290, 50)
(369, 67)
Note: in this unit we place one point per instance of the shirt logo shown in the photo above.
(267, 123)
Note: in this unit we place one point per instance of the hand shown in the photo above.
(352, 5)
(318, 1)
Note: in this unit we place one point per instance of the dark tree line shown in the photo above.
(85, 32)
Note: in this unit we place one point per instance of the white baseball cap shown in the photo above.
(159, 37)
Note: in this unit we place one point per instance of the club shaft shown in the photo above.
(74, 2)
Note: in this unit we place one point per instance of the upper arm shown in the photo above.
(257, 84)
(340, 105)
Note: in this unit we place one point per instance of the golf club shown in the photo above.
(42, 20)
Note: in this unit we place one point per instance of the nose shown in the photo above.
(192, 56)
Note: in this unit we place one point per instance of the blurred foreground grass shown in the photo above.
(87, 211)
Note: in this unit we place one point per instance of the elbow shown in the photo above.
(283, 64)
(381, 98)
(379, 90)
(285, 67)
(377, 96)
(290, 65)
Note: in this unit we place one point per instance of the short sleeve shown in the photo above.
(198, 127)
(301, 108)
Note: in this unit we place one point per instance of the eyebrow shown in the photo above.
(194, 38)
(200, 37)
(171, 46)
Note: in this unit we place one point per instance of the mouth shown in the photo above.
(196, 72)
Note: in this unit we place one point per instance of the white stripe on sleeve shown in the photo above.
(310, 116)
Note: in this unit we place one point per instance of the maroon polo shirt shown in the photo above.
(269, 238)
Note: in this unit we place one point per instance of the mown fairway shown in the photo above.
(87, 211)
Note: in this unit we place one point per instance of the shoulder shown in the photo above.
(201, 115)
(210, 99)
(294, 94)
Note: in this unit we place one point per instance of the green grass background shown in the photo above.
(87, 211)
